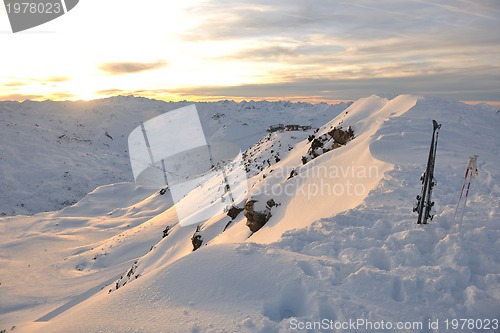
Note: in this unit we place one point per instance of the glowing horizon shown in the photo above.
(208, 50)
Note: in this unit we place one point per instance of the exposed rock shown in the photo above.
(291, 127)
(270, 203)
(197, 240)
(166, 231)
(333, 139)
(293, 173)
(341, 137)
(316, 143)
(234, 211)
(256, 219)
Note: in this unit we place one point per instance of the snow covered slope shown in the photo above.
(53, 153)
(341, 243)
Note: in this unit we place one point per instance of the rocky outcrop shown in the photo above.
(291, 127)
(234, 211)
(256, 219)
(197, 239)
(333, 139)
(340, 136)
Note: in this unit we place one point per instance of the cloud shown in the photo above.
(15, 84)
(55, 79)
(456, 85)
(224, 19)
(28, 81)
(127, 92)
(162, 94)
(353, 48)
(345, 33)
(471, 8)
(373, 29)
(356, 24)
(20, 97)
(274, 52)
(352, 20)
(61, 95)
(56, 96)
(112, 92)
(119, 68)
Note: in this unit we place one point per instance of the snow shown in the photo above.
(323, 254)
(54, 153)
(336, 181)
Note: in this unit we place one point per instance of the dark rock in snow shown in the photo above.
(234, 211)
(333, 139)
(197, 240)
(270, 203)
(166, 231)
(256, 219)
(293, 173)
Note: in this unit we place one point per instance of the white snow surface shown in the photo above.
(53, 153)
(342, 243)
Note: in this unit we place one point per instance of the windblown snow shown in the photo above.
(83, 248)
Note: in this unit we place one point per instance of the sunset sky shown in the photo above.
(321, 50)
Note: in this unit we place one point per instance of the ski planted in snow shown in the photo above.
(424, 201)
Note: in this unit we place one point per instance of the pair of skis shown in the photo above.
(470, 173)
(424, 201)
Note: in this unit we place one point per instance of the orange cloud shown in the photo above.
(19, 97)
(119, 68)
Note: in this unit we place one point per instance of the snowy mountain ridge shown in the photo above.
(325, 252)
(53, 153)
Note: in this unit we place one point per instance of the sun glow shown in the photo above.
(204, 49)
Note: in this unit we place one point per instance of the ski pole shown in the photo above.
(465, 202)
(461, 193)
(472, 166)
